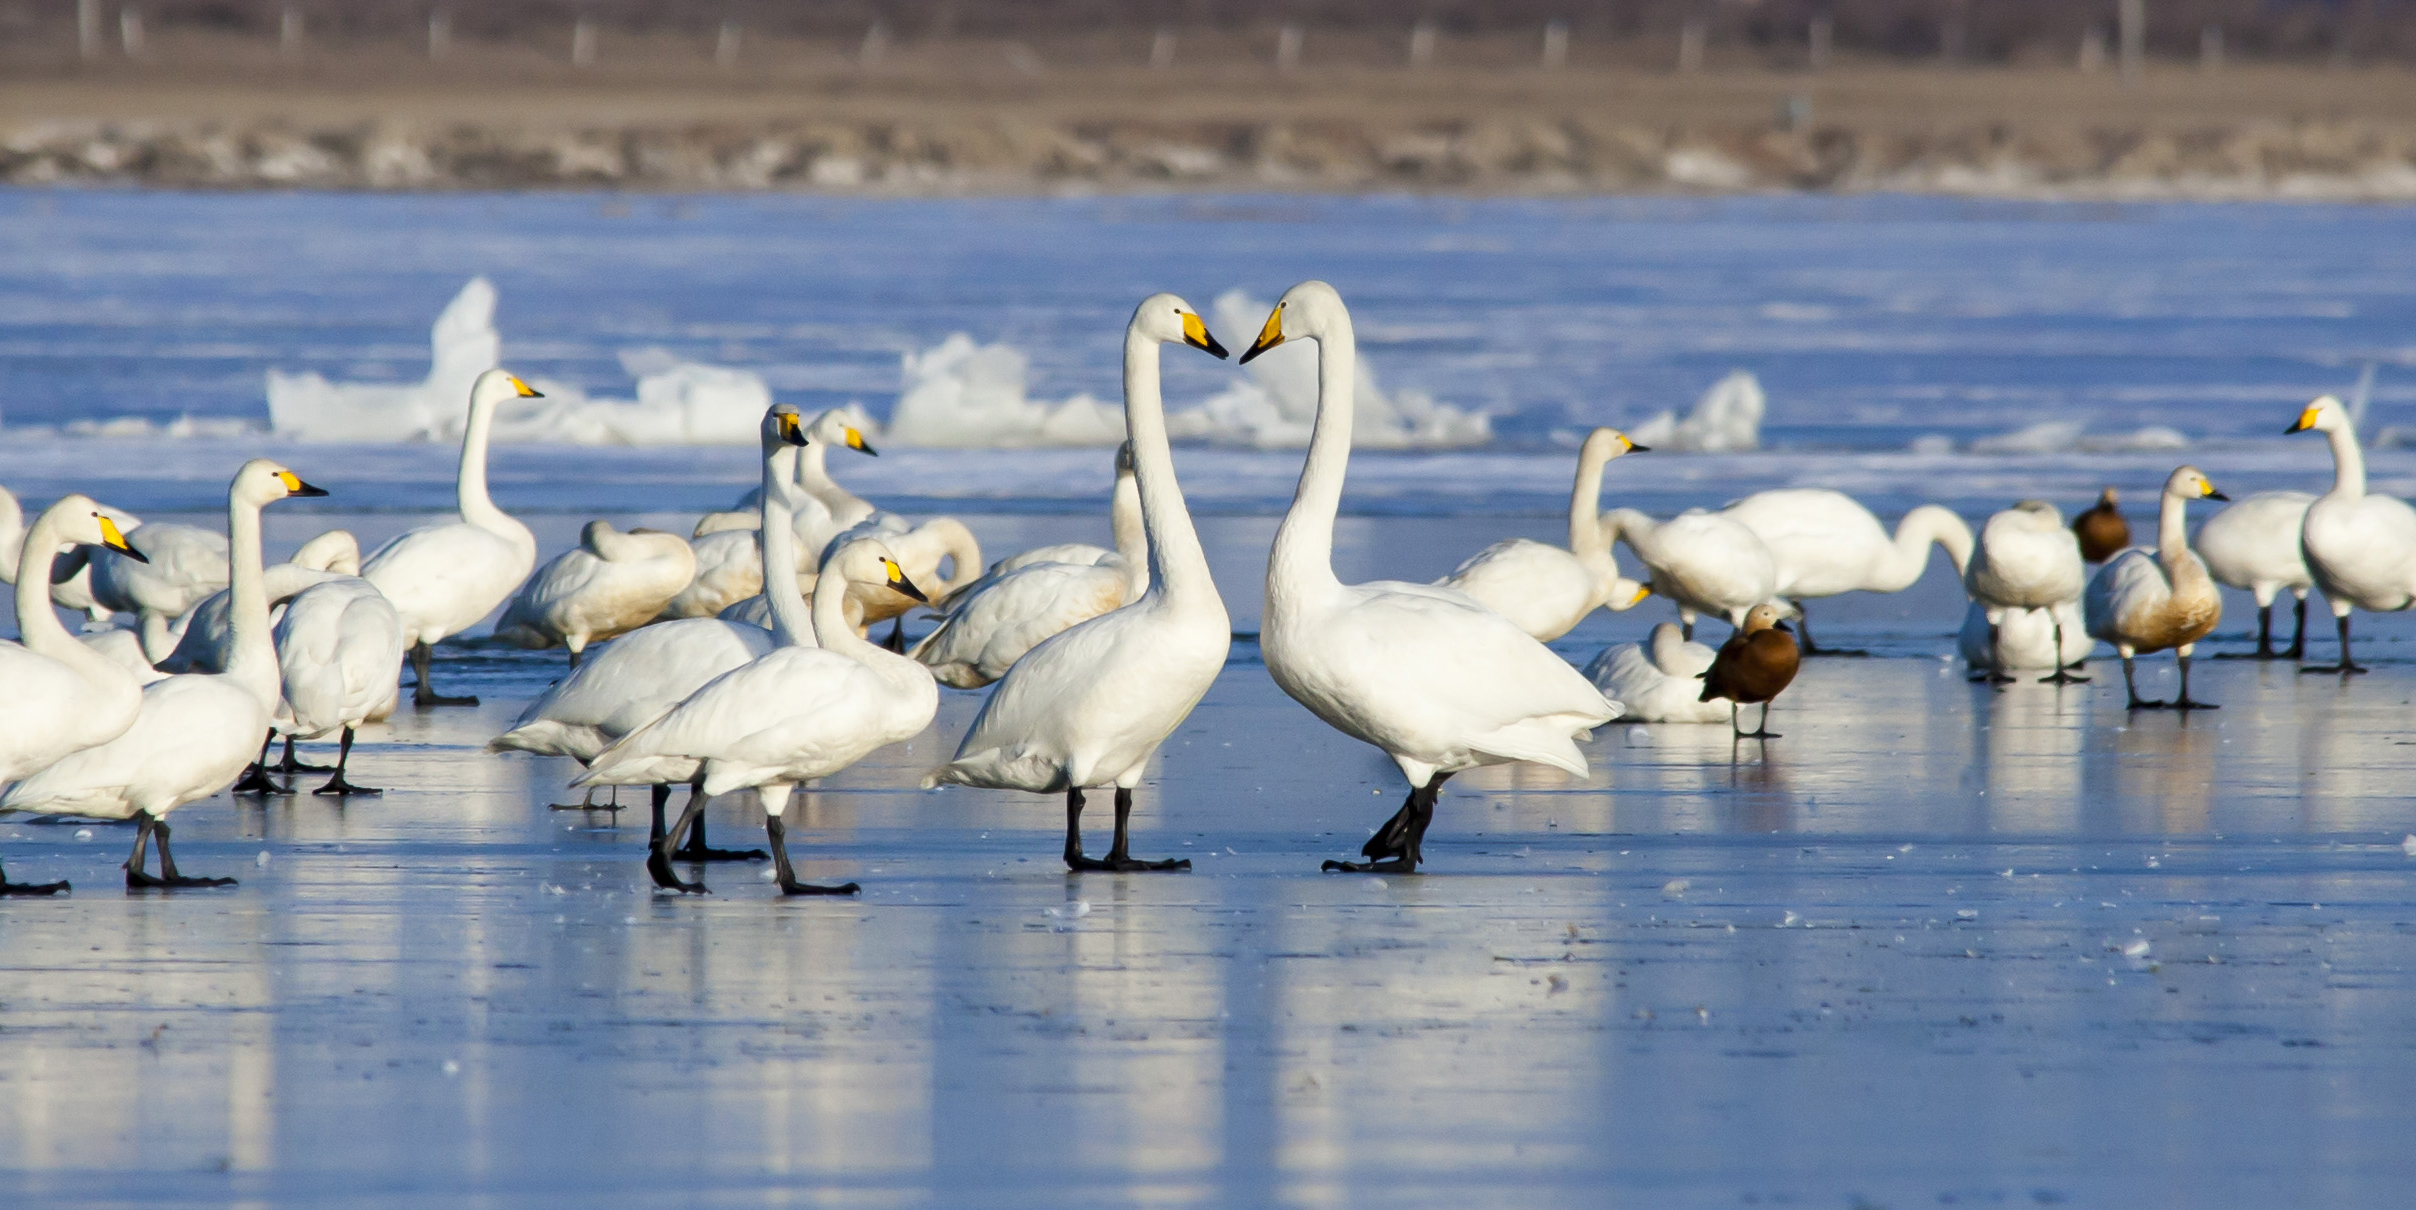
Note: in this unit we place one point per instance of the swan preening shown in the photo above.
(2154, 600)
(444, 579)
(1437, 681)
(608, 585)
(1090, 706)
(193, 734)
(2360, 548)
(1545, 589)
(2026, 559)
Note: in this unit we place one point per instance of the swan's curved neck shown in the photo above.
(252, 657)
(476, 506)
(1178, 568)
(1910, 556)
(1303, 556)
(1587, 540)
(37, 623)
(832, 629)
(1124, 520)
(1633, 526)
(813, 474)
(2348, 462)
(12, 535)
(792, 625)
(2172, 528)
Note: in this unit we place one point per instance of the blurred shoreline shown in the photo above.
(974, 118)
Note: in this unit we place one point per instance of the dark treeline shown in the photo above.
(1973, 30)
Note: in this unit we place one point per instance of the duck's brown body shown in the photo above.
(1756, 664)
(2101, 529)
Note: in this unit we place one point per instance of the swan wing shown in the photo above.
(632, 682)
(192, 737)
(993, 627)
(444, 578)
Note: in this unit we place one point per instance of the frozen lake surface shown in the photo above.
(1937, 945)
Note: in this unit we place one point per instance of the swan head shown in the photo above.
(2040, 512)
(2190, 483)
(2323, 414)
(85, 523)
(1124, 460)
(1167, 319)
(1607, 444)
(262, 480)
(1308, 311)
(869, 561)
(783, 425)
(836, 427)
(497, 385)
(1765, 616)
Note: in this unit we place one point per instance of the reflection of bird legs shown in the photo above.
(336, 785)
(255, 779)
(1399, 845)
(425, 694)
(2346, 667)
(1735, 711)
(1803, 630)
(28, 888)
(1118, 858)
(145, 825)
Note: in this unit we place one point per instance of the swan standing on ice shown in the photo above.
(2100, 529)
(62, 696)
(608, 585)
(2143, 601)
(1437, 681)
(2361, 549)
(1091, 706)
(635, 680)
(1705, 562)
(444, 578)
(1756, 664)
(1543, 588)
(2026, 559)
(729, 554)
(2022, 640)
(2254, 544)
(338, 644)
(797, 714)
(1825, 543)
(993, 621)
(194, 733)
(1659, 680)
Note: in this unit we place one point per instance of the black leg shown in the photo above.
(337, 785)
(2347, 666)
(658, 846)
(779, 834)
(1761, 732)
(574, 659)
(28, 888)
(2063, 675)
(146, 826)
(1119, 857)
(696, 849)
(2264, 649)
(255, 780)
(2298, 632)
(1996, 670)
(2130, 684)
(292, 764)
(1398, 846)
(1803, 631)
(425, 694)
(2183, 702)
(1686, 629)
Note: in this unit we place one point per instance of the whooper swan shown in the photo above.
(1543, 588)
(1825, 543)
(2153, 600)
(2361, 549)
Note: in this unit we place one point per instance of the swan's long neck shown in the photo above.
(477, 507)
(831, 627)
(1632, 526)
(1303, 558)
(1586, 538)
(2348, 462)
(1910, 556)
(12, 535)
(792, 624)
(813, 474)
(37, 623)
(252, 658)
(2182, 567)
(1132, 533)
(1178, 568)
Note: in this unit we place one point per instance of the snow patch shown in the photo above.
(1726, 420)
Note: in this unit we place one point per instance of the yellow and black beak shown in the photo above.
(114, 540)
(2306, 420)
(295, 487)
(1634, 448)
(1195, 334)
(2212, 494)
(898, 581)
(526, 392)
(1642, 591)
(855, 441)
(1268, 336)
(791, 431)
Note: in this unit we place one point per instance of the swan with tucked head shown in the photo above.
(608, 585)
(194, 733)
(443, 579)
(1437, 681)
(1091, 706)
(2026, 559)
(2145, 600)
(2361, 549)
(62, 695)
(1543, 588)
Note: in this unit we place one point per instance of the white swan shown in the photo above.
(608, 585)
(2361, 549)
(1659, 680)
(2152, 600)
(1437, 681)
(797, 714)
(1548, 590)
(443, 579)
(338, 644)
(2024, 640)
(182, 565)
(993, 621)
(634, 680)
(1091, 706)
(729, 569)
(2026, 559)
(2254, 544)
(729, 555)
(71, 583)
(194, 733)
(62, 696)
(1704, 561)
(205, 636)
(920, 549)
(1825, 543)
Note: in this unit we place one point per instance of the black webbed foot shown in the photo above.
(1390, 865)
(337, 787)
(793, 887)
(1124, 865)
(256, 781)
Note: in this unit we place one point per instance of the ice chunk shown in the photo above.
(307, 407)
(964, 394)
(1727, 419)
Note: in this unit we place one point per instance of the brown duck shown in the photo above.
(2101, 529)
(1754, 665)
